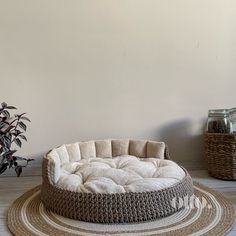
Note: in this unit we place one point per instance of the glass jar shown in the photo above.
(232, 116)
(219, 121)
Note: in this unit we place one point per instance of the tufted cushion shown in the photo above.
(68, 157)
(87, 149)
(138, 148)
(119, 175)
(120, 147)
(73, 152)
(155, 149)
(103, 148)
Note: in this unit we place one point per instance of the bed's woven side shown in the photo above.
(167, 153)
(220, 155)
(112, 208)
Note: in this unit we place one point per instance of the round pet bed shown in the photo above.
(113, 181)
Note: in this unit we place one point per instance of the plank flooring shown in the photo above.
(13, 187)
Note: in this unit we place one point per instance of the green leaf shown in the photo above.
(18, 142)
(18, 170)
(25, 118)
(3, 159)
(6, 141)
(11, 107)
(6, 114)
(3, 167)
(22, 125)
(23, 137)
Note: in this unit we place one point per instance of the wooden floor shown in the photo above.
(12, 187)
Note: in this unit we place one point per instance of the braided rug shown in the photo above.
(214, 215)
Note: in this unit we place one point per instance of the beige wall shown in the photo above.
(125, 68)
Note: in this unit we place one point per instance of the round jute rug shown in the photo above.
(206, 213)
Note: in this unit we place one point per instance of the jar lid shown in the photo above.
(218, 113)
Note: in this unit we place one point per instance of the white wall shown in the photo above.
(118, 68)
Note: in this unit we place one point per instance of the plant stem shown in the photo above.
(15, 130)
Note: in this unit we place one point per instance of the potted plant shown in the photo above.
(12, 129)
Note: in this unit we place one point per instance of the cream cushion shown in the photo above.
(73, 152)
(87, 149)
(138, 148)
(54, 165)
(120, 147)
(65, 163)
(155, 149)
(119, 175)
(63, 154)
(103, 148)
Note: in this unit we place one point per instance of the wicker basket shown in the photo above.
(220, 155)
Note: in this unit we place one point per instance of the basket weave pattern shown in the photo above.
(113, 208)
(220, 155)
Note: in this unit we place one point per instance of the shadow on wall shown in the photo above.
(182, 142)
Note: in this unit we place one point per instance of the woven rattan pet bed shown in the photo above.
(113, 181)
